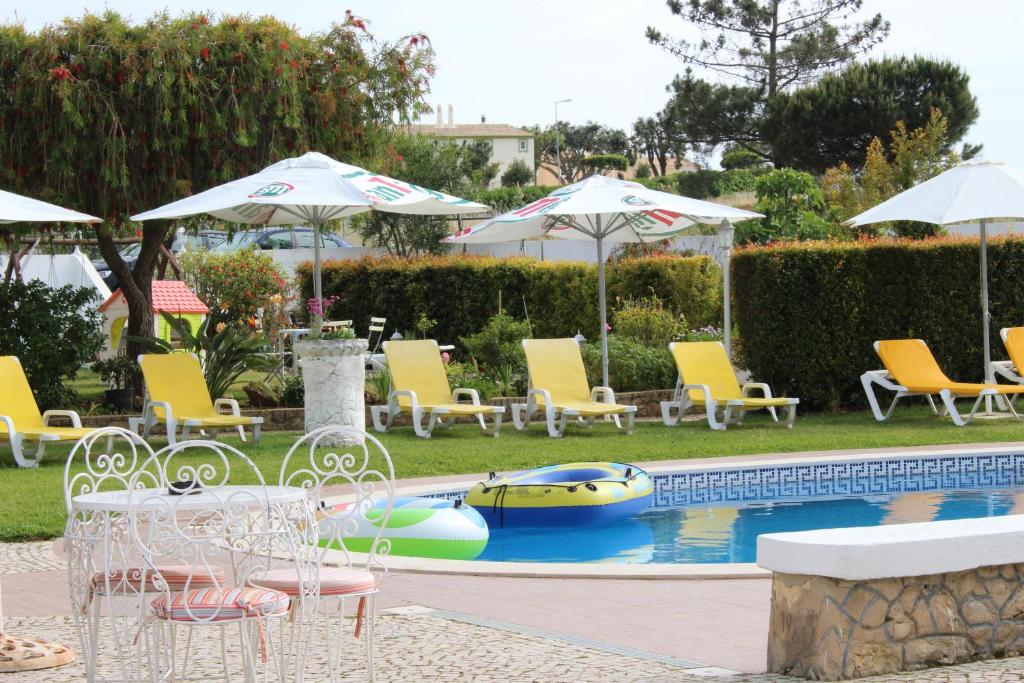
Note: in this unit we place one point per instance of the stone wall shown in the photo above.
(831, 629)
(293, 419)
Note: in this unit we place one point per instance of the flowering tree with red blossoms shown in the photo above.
(112, 118)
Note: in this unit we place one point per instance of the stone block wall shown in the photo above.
(832, 629)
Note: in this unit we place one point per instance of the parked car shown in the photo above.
(205, 239)
(280, 238)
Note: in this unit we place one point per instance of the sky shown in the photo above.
(510, 61)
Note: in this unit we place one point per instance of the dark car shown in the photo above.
(205, 239)
(280, 238)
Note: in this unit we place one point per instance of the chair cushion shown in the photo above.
(224, 603)
(333, 581)
(176, 576)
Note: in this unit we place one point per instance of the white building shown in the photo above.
(508, 143)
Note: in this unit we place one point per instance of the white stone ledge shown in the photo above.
(879, 552)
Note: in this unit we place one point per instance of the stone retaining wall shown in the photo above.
(831, 629)
(293, 419)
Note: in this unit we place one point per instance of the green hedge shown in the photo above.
(461, 293)
(808, 313)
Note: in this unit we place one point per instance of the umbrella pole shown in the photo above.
(985, 320)
(318, 285)
(602, 307)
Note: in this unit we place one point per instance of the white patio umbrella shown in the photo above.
(974, 191)
(602, 209)
(16, 208)
(312, 189)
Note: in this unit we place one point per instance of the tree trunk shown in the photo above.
(135, 283)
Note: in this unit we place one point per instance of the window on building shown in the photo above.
(524, 145)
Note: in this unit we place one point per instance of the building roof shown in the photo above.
(172, 296)
(473, 130)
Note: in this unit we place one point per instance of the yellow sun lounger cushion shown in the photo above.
(707, 363)
(911, 363)
(21, 421)
(177, 379)
(556, 365)
(416, 366)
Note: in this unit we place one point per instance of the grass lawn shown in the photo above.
(32, 507)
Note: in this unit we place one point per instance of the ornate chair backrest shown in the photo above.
(351, 484)
(102, 555)
(211, 535)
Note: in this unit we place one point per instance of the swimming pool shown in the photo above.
(715, 515)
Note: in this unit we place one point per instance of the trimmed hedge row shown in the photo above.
(460, 293)
(808, 313)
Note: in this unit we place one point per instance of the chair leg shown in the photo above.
(376, 413)
(256, 429)
(521, 415)
(241, 432)
(371, 626)
(711, 410)
(790, 416)
(21, 457)
(555, 427)
(947, 401)
(417, 423)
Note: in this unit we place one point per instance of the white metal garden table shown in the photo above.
(102, 554)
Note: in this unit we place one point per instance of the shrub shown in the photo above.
(118, 372)
(498, 349)
(790, 201)
(807, 313)
(705, 183)
(469, 376)
(236, 284)
(517, 174)
(645, 320)
(461, 293)
(53, 332)
(632, 366)
(503, 199)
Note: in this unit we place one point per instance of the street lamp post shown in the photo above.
(558, 156)
(726, 234)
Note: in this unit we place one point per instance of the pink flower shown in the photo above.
(446, 357)
(608, 327)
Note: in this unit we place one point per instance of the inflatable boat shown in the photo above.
(563, 495)
(418, 527)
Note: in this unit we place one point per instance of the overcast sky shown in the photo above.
(512, 60)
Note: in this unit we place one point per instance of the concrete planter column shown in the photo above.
(333, 374)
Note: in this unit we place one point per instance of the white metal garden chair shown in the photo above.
(351, 484)
(250, 531)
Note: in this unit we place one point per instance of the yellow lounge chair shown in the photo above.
(707, 378)
(911, 370)
(419, 386)
(1013, 369)
(558, 386)
(20, 421)
(176, 395)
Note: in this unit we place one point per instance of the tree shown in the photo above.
(816, 127)
(427, 162)
(517, 174)
(575, 143)
(760, 48)
(770, 45)
(112, 118)
(657, 138)
(600, 164)
(739, 158)
(912, 157)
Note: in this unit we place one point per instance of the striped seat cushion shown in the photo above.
(176, 576)
(224, 603)
(333, 581)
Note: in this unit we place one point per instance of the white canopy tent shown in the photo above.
(311, 189)
(602, 209)
(971, 192)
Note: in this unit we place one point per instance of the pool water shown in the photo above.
(728, 533)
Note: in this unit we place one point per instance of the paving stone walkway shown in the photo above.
(422, 644)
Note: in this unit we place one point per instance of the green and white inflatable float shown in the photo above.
(418, 527)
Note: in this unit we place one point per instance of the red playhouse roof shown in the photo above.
(172, 296)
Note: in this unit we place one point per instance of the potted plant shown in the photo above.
(118, 372)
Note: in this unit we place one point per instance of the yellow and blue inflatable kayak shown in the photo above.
(563, 495)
